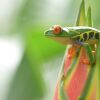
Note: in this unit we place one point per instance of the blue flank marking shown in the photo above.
(79, 42)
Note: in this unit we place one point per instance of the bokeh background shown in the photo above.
(29, 62)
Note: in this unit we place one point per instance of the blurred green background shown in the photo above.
(29, 62)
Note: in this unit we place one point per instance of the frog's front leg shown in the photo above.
(89, 53)
(86, 60)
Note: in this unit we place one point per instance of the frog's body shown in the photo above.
(70, 35)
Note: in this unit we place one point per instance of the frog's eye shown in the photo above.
(57, 29)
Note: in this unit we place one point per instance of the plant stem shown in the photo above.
(98, 71)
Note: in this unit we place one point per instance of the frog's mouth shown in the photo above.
(64, 37)
(62, 40)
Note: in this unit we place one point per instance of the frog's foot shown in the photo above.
(85, 61)
(72, 51)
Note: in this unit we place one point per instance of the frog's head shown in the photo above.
(59, 34)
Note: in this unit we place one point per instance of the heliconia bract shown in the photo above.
(75, 83)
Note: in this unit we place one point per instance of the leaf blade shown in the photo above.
(89, 17)
(81, 18)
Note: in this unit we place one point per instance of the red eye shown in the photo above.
(57, 29)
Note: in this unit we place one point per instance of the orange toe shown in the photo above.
(72, 51)
(86, 61)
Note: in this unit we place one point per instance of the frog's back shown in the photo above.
(82, 29)
(85, 34)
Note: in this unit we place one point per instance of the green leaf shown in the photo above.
(81, 19)
(89, 17)
(28, 82)
(62, 91)
(98, 71)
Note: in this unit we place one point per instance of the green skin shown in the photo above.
(80, 35)
(70, 35)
